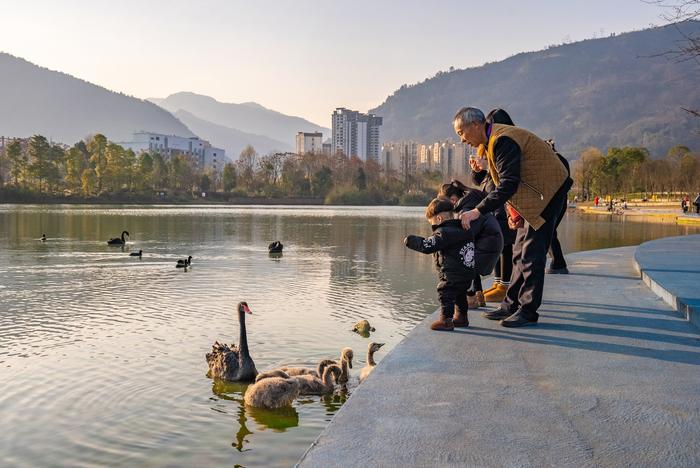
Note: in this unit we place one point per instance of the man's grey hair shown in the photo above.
(467, 115)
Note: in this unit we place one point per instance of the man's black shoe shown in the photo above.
(497, 314)
(557, 271)
(517, 320)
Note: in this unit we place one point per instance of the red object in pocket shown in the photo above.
(513, 213)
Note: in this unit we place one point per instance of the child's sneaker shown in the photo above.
(443, 324)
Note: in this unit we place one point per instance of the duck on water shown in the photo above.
(233, 363)
(117, 240)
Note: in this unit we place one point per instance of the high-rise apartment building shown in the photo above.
(400, 158)
(309, 143)
(356, 134)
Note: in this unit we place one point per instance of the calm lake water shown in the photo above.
(102, 354)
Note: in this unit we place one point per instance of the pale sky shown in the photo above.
(302, 57)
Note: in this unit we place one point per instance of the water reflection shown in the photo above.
(109, 332)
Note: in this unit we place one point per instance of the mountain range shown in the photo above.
(613, 91)
(67, 109)
(248, 117)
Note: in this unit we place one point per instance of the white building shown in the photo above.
(309, 143)
(204, 154)
(356, 134)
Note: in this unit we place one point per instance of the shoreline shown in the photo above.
(570, 389)
(660, 215)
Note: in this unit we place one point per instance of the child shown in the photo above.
(454, 258)
(488, 239)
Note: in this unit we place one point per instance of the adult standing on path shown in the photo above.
(529, 175)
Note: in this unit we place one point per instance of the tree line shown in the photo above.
(631, 170)
(98, 168)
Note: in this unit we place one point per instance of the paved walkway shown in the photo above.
(610, 377)
(671, 268)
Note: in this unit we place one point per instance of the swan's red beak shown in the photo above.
(247, 310)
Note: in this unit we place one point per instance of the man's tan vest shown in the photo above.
(541, 172)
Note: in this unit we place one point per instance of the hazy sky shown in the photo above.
(299, 57)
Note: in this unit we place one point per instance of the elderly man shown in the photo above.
(531, 178)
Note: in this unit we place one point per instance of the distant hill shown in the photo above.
(230, 139)
(600, 92)
(66, 109)
(248, 117)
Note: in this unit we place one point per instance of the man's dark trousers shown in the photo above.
(524, 294)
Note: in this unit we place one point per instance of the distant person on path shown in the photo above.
(596, 200)
(488, 240)
(529, 175)
(453, 247)
(684, 204)
(697, 204)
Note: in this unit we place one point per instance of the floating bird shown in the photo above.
(43, 238)
(371, 349)
(184, 263)
(275, 247)
(273, 392)
(138, 254)
(363, 328)
(310, 385)
(233, 363)
(117, 240)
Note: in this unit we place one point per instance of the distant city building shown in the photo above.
(400, 158)
(309, 143)
(204, 154)
(406, 158)
(356, 134)
(328, 146)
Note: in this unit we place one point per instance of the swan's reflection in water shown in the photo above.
(278, 420)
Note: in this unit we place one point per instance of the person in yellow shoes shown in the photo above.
(482, 179)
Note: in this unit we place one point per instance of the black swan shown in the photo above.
(275, 247)
(117, 240)
(136, 254)
(43, 238)
(233, 363)
(371, 349)
(184, 263)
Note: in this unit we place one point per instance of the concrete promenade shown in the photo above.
(671, 268)
(609, 377)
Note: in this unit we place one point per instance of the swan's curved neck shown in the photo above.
(328, 376)
(243, 339)
(370, 358)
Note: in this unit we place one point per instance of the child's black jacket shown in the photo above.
(453, 248)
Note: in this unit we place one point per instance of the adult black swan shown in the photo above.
(184, 263)
(275, 247)
(117, 240)
(233, 363)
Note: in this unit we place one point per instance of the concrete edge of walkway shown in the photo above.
(689, 308)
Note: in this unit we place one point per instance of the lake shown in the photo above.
(102, 354)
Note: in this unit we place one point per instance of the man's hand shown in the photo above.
(468, 216)
(474, 164)
(515, 224)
